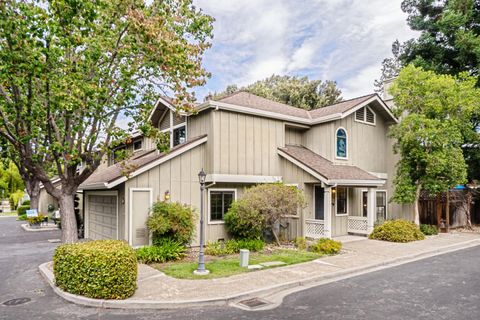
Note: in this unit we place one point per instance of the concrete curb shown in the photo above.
(26, 227)
(270, 290)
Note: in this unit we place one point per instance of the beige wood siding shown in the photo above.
(44, 200)
(293, 136)
(179, 176)
(165, 121)
(246, 145)
(367, 145)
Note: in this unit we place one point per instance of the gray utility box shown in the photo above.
(244, 257)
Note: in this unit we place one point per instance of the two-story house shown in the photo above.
(339, 155)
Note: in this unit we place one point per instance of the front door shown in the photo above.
(319, 206)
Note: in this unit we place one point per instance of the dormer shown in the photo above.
(166, 118)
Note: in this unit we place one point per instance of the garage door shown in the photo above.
(102, 217)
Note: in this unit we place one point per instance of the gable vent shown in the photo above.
(360, 114)
(370, 116)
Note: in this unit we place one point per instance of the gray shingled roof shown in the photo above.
(340, 107)
(249, 100)
(324, 167)
(118, 170)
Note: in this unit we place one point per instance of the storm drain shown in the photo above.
(16, 302)
(253, 303)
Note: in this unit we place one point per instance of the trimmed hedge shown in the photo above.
(397, 231)
(21, 210)
(429, 229)
(326, 246)
(102, 269)
(26, 203)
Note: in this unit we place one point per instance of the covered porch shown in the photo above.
(345, 199)
(344, 210)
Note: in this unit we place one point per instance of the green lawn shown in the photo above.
(227, 266)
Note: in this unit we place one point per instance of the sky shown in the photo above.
(340, 40)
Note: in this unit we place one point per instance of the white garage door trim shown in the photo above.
(130, 210)
(87, 212)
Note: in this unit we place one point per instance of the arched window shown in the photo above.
(341, 143)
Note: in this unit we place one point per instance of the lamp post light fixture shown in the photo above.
(201, 256)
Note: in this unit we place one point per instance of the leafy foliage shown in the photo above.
(296, 91)
(166, 250)
(244, 222)
(450, 38)
(15, 198)
(430, 135)
(101, 269)
(301, 243)
(23, 209)
(326, 246)
(10, 180)
(262, 206)
(428, 229)
(70, 68)
(35, 220)
(171, 220)
(232, 246)
(397, 231)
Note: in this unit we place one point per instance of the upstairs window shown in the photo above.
(179, 135)
(137, 145)
(365, 115)
(341, 143)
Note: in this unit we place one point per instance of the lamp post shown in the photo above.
(201, 256)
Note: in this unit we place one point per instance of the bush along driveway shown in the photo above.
(158, 290)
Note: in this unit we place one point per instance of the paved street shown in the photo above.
(443, 287)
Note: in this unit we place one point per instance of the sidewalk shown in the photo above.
(156, 290)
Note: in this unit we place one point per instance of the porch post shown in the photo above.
(327, 212)
(371, 199)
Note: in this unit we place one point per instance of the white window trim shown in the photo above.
(130, 212)
(386, 201)
(87, 212)
(336, 202)
(365, 116)
(314, 204)
(346, 137)
(208, 202)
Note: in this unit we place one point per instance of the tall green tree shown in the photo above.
(10, 179)
(449, 41)
(70, 68)
(434, 111)
(299, 92)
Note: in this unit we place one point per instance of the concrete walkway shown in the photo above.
(156, 290)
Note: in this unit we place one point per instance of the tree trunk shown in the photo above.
(417, 204)
(33, 190)
(68, 220)
(275, 231)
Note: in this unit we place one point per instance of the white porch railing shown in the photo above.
(357, 225)
(314, 229)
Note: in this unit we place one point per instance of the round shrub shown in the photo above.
(301, 243)
(428, 229)
(326, 246)
(26, 203)
(397, 231)
(102, 269)
(21, 210)
(171, 220)
(244, 222)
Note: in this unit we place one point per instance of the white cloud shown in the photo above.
(342, 40)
